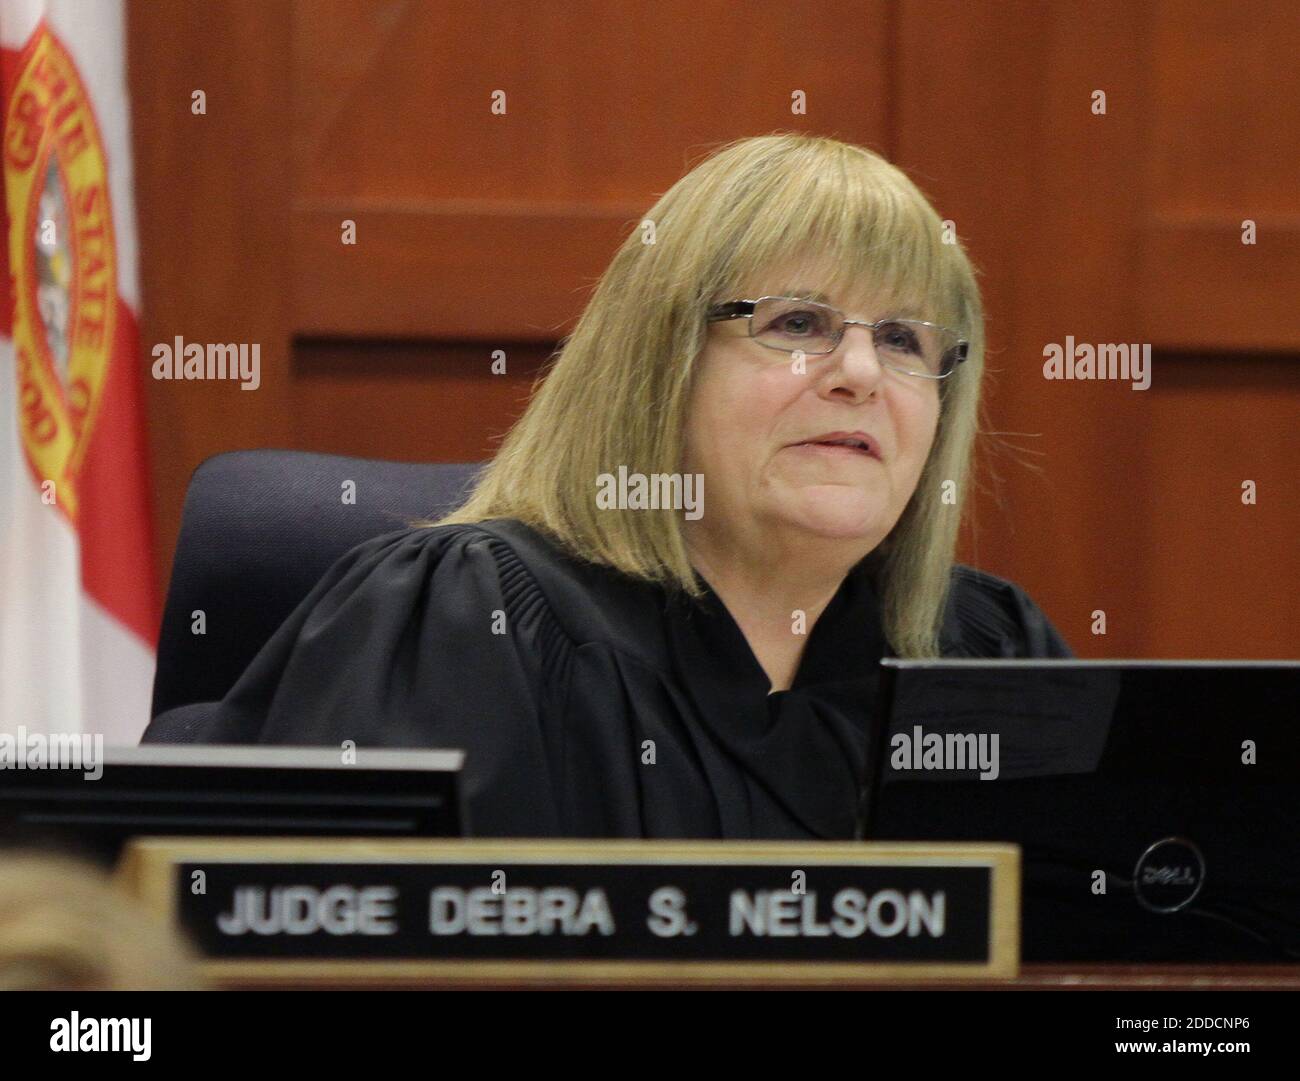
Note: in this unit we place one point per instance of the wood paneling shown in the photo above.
(420, 402)
(1108, 498)
(1222, 148)
(212, 203)
(480, 223)
(1205, 289)
(461, 273)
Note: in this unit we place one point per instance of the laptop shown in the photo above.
(1156, 803)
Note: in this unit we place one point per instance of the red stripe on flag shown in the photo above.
(116, 529)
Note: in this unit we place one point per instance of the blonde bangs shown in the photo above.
(860, 215)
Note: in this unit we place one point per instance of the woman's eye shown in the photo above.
(899, 338)
(799, 323)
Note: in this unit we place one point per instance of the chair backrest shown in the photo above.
(258, 530)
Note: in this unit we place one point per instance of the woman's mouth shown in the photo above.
(841, 444)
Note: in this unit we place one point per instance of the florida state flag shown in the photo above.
(77, 603)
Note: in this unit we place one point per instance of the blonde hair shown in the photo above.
(618, 390)
(64, 926)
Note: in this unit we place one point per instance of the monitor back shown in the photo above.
(1157, 804)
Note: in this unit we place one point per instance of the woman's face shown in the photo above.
(754, 421)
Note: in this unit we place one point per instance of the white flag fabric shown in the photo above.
(78, 606)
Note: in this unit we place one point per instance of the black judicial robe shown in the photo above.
(590, 704)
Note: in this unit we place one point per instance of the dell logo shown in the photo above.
(1169, 875)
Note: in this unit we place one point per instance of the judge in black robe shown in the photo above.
(593, 694)
(589, 703)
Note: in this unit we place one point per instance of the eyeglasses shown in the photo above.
(912, 346)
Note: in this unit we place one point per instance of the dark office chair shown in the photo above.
(259, 529)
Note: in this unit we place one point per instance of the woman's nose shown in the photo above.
(857, 362)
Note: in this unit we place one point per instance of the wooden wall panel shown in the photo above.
(457, 274)
(416, 401)
(212, 204)
(1222, 147)
(1110, 499)
(1219, 574)
(478, 223)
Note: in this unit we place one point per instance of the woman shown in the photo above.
(788, 354)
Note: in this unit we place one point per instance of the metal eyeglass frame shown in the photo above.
(744, 309)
